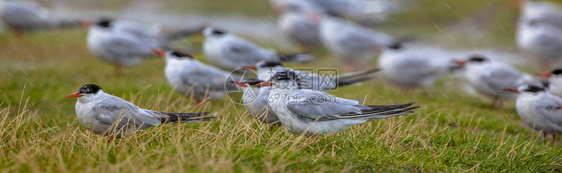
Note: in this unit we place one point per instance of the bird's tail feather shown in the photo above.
(359, 73)
(351, 81)
(384, 111)
(295, 57)
(185, 117)
(182, 33)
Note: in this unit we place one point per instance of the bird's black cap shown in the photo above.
(89, 89)
(478, 58)
(533, 89)
(557, 71)
(270, 64)
(395, 45)
(181, 55)
(284, 75)
(104, 22)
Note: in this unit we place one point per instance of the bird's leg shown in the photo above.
(553, 138)
(272, 127)
(118, 70)
(408, 89)
(198, 102)
(110, 138)
(500, 104)
(496, 103)
(544, 134)
(305, 49)
(18, 34)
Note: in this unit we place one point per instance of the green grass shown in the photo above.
(451, 132)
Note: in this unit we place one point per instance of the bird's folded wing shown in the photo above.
(318, 106)
(205, 77)
(242, 51)
(502, 78)
(114, 109)
(551, 112)
(126, 46)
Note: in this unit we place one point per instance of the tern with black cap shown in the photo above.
(310, 112)
(488, 78)
(228, 51)
(107, 115)
(192, 78)
(541, 110)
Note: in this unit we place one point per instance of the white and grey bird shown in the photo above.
(541, 40)
(539, 31)
(341, 8)
(490, 77)
(255, 101)
(554, 81)
(105, 114)
(310, 112)
(409, 68)
(328, 80)
(191, 78)
(351, 43)
(542, 12)
(23, 16)
(301, 27)
(282, 6)
(119, 44)
(228, 51)
(539, 109)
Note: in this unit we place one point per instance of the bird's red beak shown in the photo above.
(279, 9)
(73, 95)
(240, 84)
(545, 75)
(249, 67)
(459, 62)
(263, 84)
(511, 90)
(518, 4)
(159, 52)
(85, 23)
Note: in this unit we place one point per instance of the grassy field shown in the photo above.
(451, 132)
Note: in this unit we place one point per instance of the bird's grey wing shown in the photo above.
(203, 76)
(357, 38)
(135, 29)
(240, 51)
(551, 111)
(124, 46)
(23, 15)
(551, 18)
(550, 43)
(112, 109)
(309, 105)
(417, 68)
(501, 78)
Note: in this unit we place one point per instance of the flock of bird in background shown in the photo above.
(296, 99)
